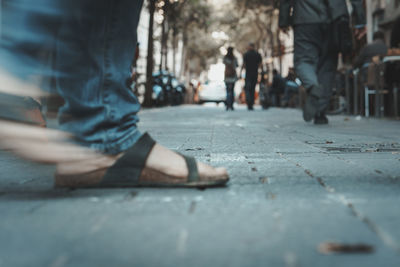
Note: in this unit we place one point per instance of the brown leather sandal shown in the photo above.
(130, 171)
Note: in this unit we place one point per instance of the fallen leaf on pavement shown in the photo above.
(331, 247)
(194, 149)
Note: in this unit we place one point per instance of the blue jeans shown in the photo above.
(230, 94)
(83, 50)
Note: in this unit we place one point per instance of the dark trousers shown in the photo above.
(315, 61)
(230, 94)
(250, 88)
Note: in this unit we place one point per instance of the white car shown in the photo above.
(212, 91)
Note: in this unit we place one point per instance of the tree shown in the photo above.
(193, 24)
(150, 61)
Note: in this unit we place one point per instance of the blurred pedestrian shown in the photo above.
(376, 48)
(277, 88)
(251, 63)
(392, 77)
(231, 64)
(321, 31)
(292, 87)
(395, 35)
(91, 47)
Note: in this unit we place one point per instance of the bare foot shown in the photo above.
(160, 159)
(168, 162)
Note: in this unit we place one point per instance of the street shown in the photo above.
(294, 186)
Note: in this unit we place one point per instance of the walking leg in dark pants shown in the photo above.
(230, 95)
(250, 88)
(315, 63)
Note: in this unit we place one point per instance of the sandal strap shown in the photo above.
(192, 168)
(128, 168)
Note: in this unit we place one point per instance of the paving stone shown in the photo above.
(293, 186)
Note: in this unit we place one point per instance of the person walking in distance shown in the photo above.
(251, 63)
(316, 24)
(231, 64)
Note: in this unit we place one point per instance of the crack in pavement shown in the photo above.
(183, 144)
(382, 235)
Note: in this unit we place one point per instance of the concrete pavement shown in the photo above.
(293, 186)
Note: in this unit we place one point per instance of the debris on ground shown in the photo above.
(337, 248)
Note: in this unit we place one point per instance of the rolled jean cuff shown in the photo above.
(117, 147)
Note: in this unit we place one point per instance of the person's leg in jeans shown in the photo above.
(91, 62)
(95, 43)
(253, 85)
(229, 95)
(232, 89)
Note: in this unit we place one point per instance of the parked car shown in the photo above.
(167, 90)
(212, 91)
(177, 93)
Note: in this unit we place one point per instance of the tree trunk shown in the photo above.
(166, 41)
(184, 52)
(164, 37)
(174, 47)
(162, 44)
(279, 52)
(150, 61)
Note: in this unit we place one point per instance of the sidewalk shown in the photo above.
(293, 186)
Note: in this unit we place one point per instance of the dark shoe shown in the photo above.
(320, 119)
(130, 171)
(310, 108)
